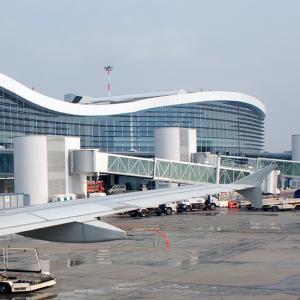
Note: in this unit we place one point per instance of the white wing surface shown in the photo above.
(77, 220)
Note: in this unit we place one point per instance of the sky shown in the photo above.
(248, 46)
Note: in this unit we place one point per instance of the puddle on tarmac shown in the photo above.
(210, 214)
(287, 284)
(102, 256)
(73, 262)
(204, 213)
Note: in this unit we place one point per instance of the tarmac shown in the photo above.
(198, 255)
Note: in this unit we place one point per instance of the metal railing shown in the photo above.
(172, 171)
(288, 168)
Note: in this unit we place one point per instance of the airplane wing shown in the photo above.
(78, 220)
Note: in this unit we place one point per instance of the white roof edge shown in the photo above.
(128, 107)
(132, 97)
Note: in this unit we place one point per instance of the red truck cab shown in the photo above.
(95, 186)
(233, 204)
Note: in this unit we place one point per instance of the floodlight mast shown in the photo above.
(108, 69)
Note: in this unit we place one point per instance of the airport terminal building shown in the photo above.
(226, 122)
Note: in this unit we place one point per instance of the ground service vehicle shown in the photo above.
(21, 272)
(233, 204)
(166, 209)
(198, 203)
(117, 189)
(95, 186)
(276, 204)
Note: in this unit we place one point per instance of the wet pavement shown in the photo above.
(198, 255)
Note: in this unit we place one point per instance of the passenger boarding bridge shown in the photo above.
(288, 168)
(173, 171)
(228, 170)
(92, 161)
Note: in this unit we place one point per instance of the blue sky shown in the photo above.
(249, 46)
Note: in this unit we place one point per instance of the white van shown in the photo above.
(117, 189)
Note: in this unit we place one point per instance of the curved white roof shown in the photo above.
(127, 107)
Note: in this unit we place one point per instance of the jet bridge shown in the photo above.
(92, 161)
(288, 168)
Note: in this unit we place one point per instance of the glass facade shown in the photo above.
(6, 171)
(6, 162)
(233, 128)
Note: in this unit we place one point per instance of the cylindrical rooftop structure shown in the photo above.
(174, 143)
(41, 167)
(30, 168)
(167, 143)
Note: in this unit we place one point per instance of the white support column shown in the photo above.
(218, 166)
(80, 184)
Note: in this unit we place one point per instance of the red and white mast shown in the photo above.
(108, 69)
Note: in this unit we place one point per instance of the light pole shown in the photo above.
(108, 69)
